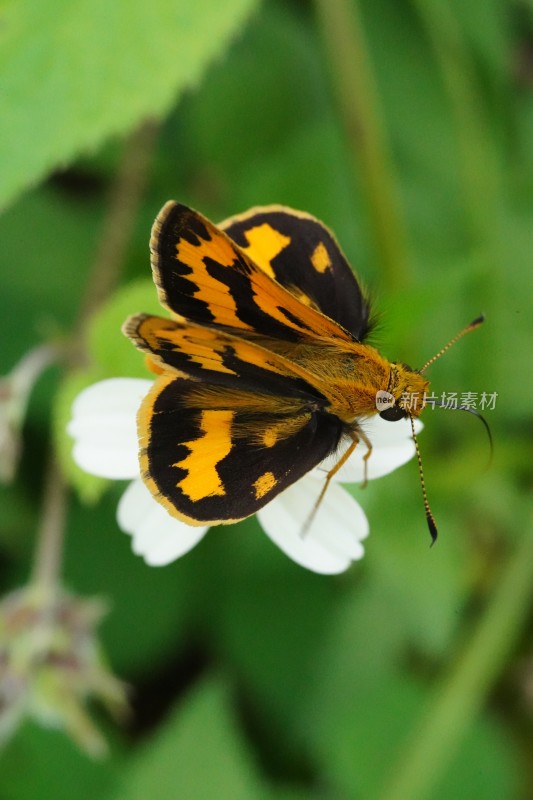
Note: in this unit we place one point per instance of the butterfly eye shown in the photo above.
(393, 413)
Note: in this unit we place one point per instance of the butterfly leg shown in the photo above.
(364, 438)
(355, 436)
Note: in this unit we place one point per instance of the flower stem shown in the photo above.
(51, 530)
(359, 108)
(462, 692)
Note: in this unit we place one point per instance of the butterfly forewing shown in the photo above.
(303, 255)
(220, 359)
(202, 275)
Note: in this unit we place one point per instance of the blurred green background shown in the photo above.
(406, 127)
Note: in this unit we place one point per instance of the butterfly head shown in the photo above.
(405, 395)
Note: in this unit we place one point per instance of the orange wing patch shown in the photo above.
(310, 264)
(211, 292)
(206, 451)
(265, 483)
(264, 244)
(320, 258)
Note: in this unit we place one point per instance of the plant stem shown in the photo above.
(478, 167)
(50, 532)
(358, 102)
(461, 694)
(480, 175)
(15, 390)
(124, 201)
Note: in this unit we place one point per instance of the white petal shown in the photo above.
(382, 461)
(107, 460)
(392, 446)
(114, 394)
(104, 427)
(379, 431)
(334, 538)
(157, 537)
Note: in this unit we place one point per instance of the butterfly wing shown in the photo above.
(221, 359)
(303, 255)
(202, 275)
(214, 455)
(227, 424)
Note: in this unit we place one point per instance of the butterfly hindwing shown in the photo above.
(215, 454)
(303, 255)
(202, 275)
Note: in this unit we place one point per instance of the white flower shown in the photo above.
(103, 427)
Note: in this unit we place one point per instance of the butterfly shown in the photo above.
(262, 365)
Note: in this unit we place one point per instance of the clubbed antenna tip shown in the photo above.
(473, 325)
(433, 532)
(478, 321)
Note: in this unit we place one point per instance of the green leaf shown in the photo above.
(37, 757)
(361, 742)
(114, 354)
(293, 89)
(357, 707)
(485, 767)
(148, 626)
(198, 753)
(426, 585)
(42, 284)
(484, 25)
(84, 70)
(246, 586)
(365, 702)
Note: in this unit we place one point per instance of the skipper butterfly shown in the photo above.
(262, 367)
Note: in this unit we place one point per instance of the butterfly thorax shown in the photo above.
(354, 374)
(349, 374)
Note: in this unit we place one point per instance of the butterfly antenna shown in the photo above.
(432, 525)
(473, 325)
(486, 426)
